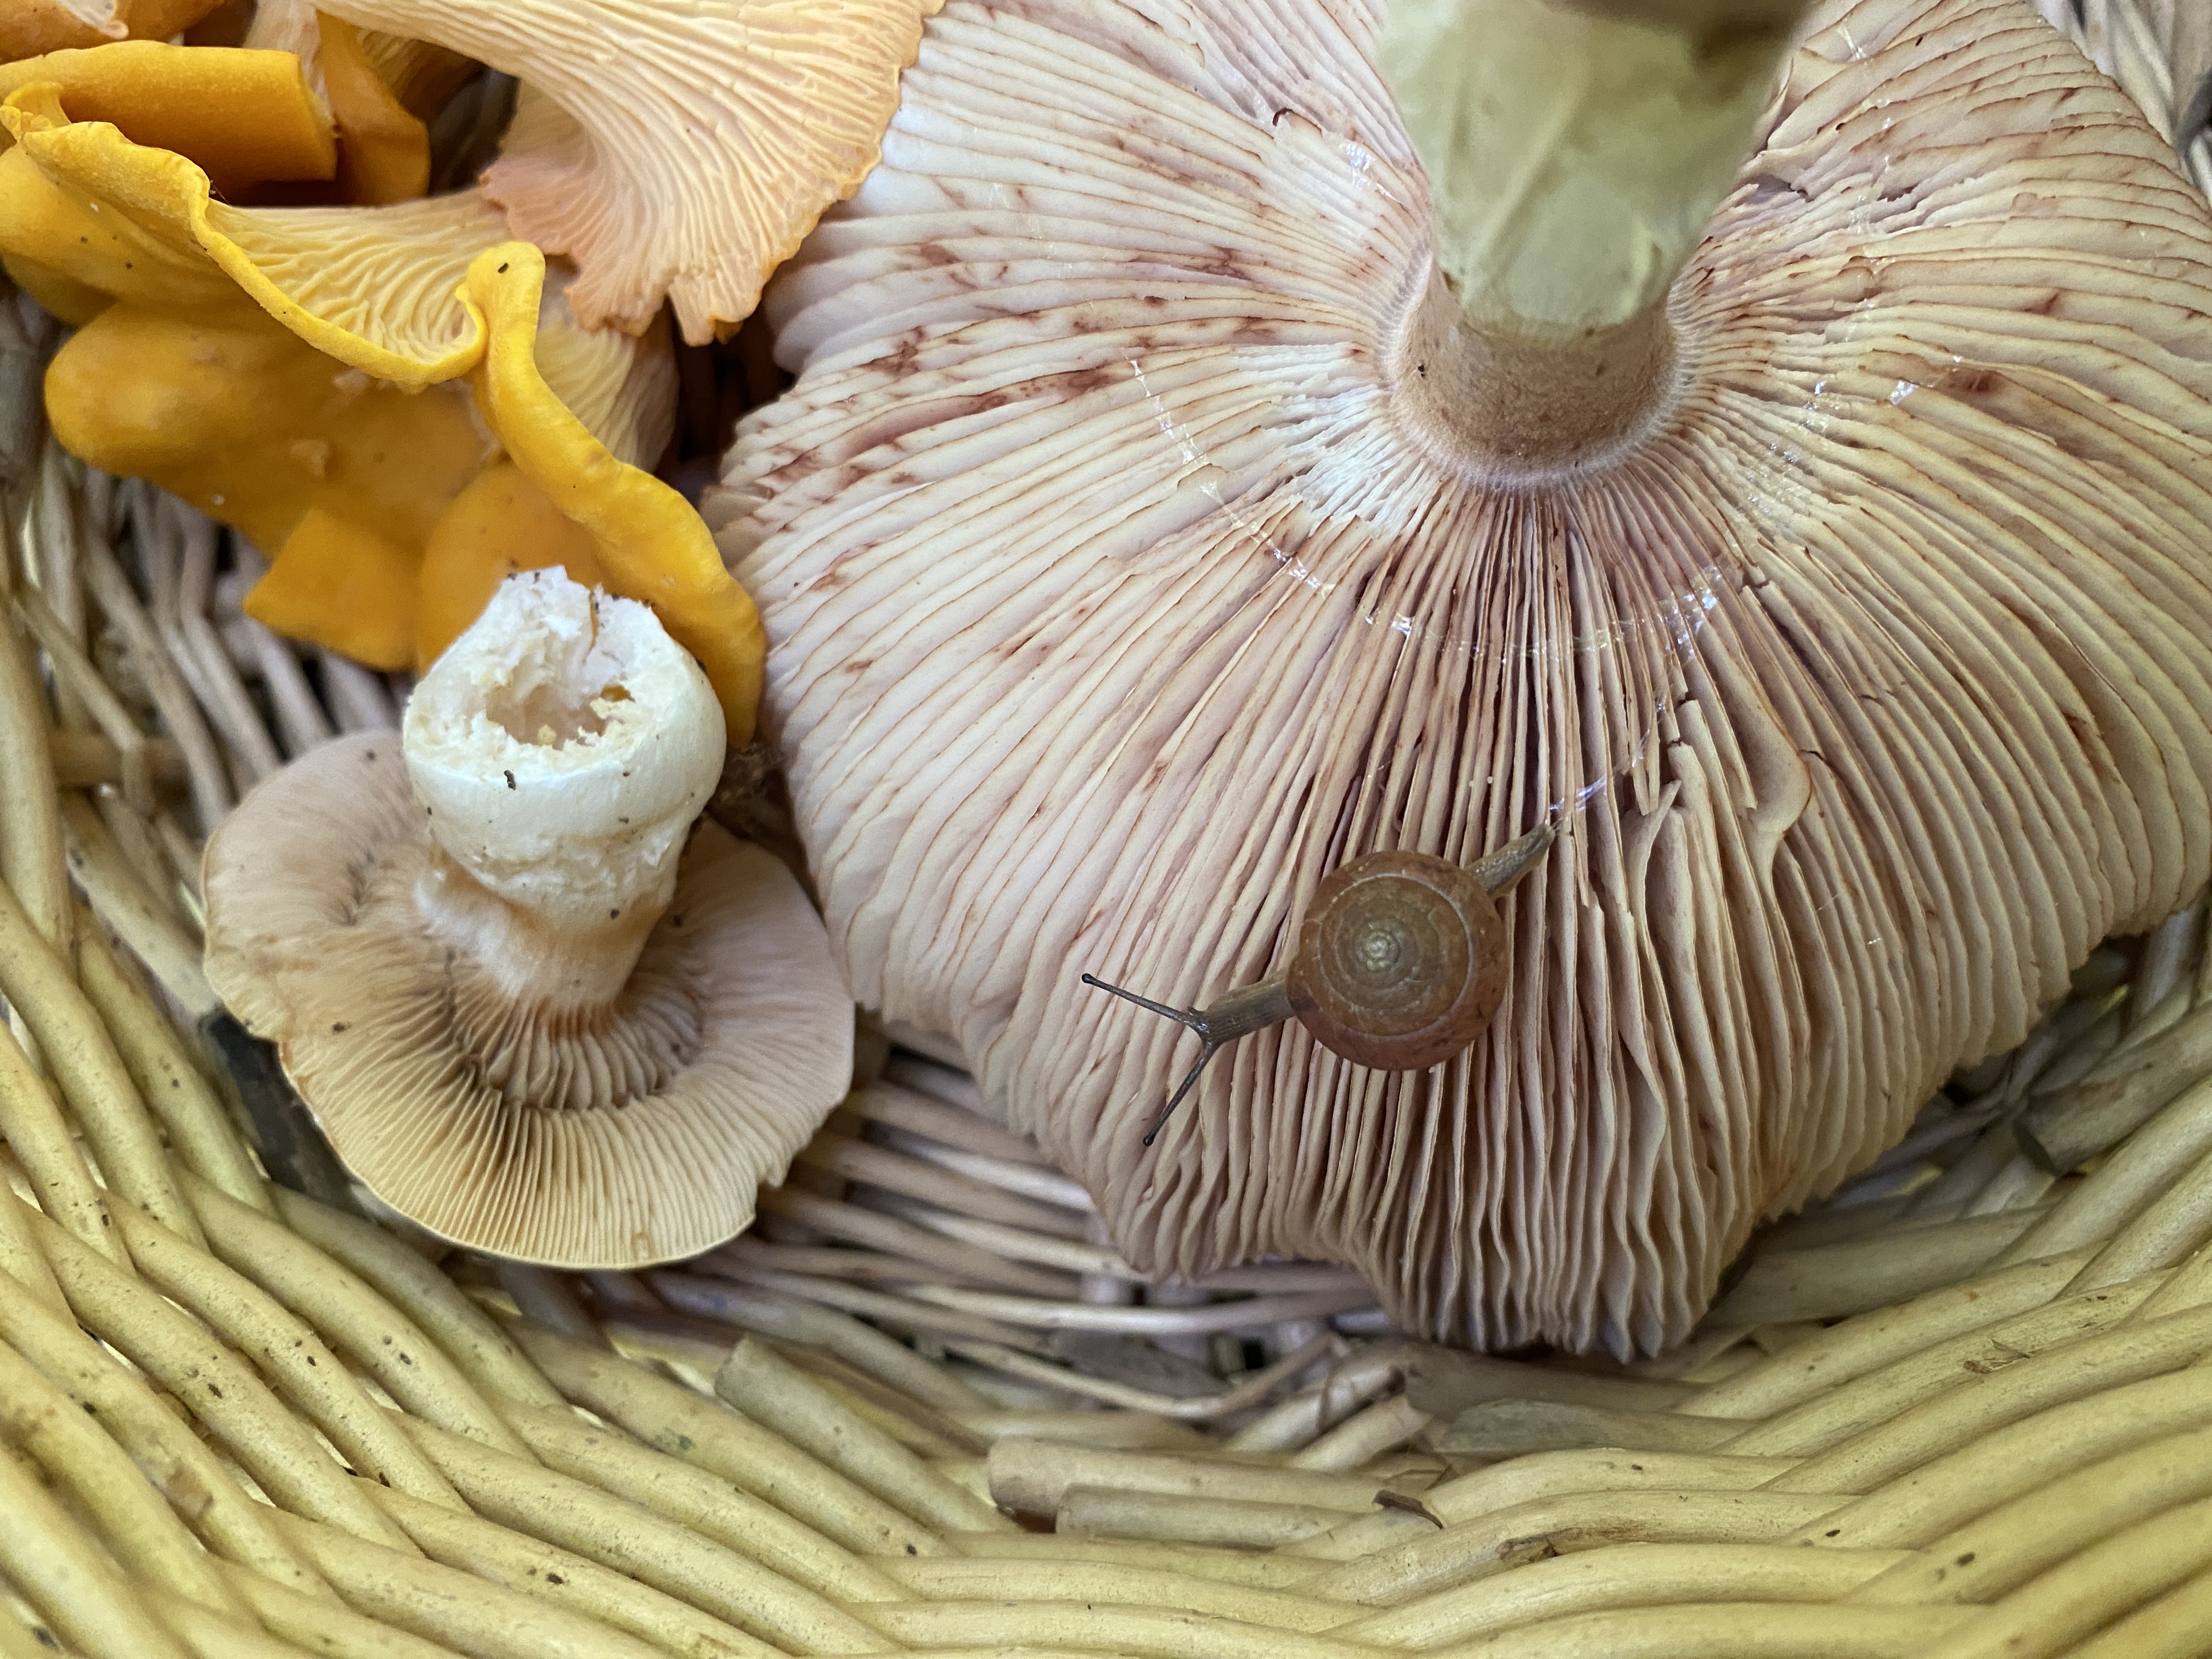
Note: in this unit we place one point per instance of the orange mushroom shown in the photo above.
(30, 26)
(297, 372)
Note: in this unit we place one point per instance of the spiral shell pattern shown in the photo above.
(1400, 963)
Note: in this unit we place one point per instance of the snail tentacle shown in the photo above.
(1400, 964)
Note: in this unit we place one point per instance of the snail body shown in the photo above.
(1401, 962)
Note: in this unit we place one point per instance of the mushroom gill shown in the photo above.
(1140, 542)
(535, 1006)
(674, 152)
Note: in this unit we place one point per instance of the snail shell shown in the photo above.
(1401, 961)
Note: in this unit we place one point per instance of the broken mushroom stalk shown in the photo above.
(1213, 457)
(1401, 963)
(535, 1008)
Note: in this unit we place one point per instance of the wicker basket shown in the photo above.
(1963, 1408)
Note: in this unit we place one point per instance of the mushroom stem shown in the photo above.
(1574, 149)
(561, 748)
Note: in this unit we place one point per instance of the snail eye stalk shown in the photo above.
(1362, 1017)
(1182, 1016)
(1240, 1013)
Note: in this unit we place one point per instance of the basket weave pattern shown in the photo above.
(1964, 1408)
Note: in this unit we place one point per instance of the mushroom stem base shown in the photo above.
(1496, 404)
(558, 969)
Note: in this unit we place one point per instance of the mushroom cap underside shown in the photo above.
(704, 1077)
(675, 152)
(1120, 583)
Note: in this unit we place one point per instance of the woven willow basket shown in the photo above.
(1964, 1408)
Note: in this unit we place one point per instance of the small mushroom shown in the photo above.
(673, 152)
(1174, 505)
(528, 1015)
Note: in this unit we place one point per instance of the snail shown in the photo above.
(1401, 963)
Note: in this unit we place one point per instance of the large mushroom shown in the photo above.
(535, 1009)
(1173, 505)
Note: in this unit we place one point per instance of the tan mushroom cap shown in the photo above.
(456, 1012)
(1123, 576)
(675, 152)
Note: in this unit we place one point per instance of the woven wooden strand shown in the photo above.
(1029, 1477)
(1120, 1431)
(1562, 1524)
(1386, 1424)
(301, 719)
(2165, 1232)
(355, 1319)
(169, 1080)
(93, 1078)
(954, 1578)
(777, 1394)
(206, 1635)
(462, 1330)
(288, 1352)
(908, 1240)
(134, 1519)
(178, 550)
(80, 691)
(23, 1270)
(445, 1605)
(1868, 1342)
(54, 1173)
(215, 1385)
(2175, 1625)
(141, 847)
(65, 1574)
(2107, 1578)
(1724, 1629)
(160, 1445)
(1862, 1405)
(701, 1501)
(17, 1639)
(1830, 1280)
(360, 700)
(1303, 1417)
(672, 1418)
(179, 711)
(1923, 1432)
(31, 860)
(2189, 1285)
(1997, 1553)
(577, 1516)
(768, 1314)
(1245, 1567)
(930, 1434)
(1232, 1522)
(2127, 1180)
(1541, 1475)
(561, 1577)
(1145, 1630)
(125, 901)
(1250, 1392)
(1622, 1576)
(2021, 1457)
